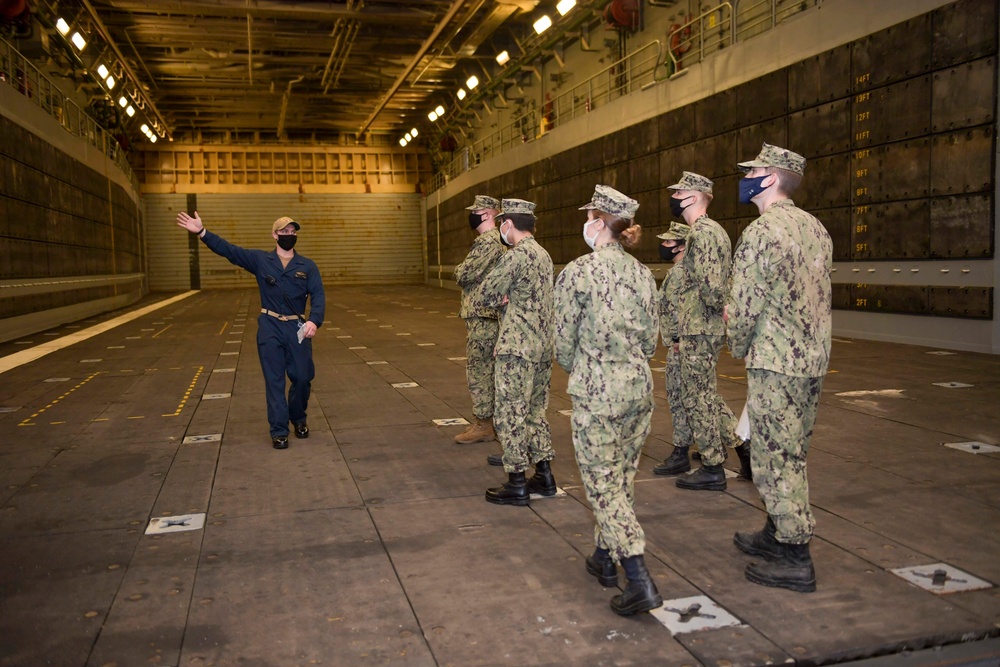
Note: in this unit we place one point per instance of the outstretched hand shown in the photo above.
(192, 224)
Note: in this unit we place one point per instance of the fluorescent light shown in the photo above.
(432, 116)
(472, 82)
(502, 58)
(439, 110)
(130, 111)
(111, 82)
(62, 26)
(543, 24)
(461, 93)
(144, 128)
(402, 142)
(103, 71)
(564, 6)
(409, 137)
(122, 102)
(152, 138)
(78, 40)
(413, 132)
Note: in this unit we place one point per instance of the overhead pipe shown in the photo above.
(284, 103)
(456, 5)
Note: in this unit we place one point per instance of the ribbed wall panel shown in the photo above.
(371, 239)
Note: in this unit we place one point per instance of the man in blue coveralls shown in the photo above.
(284, 335)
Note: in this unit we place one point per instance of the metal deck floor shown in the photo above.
(370, 542)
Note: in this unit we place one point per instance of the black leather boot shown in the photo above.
(542, 482)
(640, 592)
(675, 464)
(793, 570)
(743, 452)
(762, 543)
(601, 566)
(706, 478)
(513, 492)
(495, 459)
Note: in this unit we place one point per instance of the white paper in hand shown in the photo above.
(743, 427)
(302, 334)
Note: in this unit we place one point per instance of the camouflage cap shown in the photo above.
(283, 222)
(693, 181)
(678, 232)
(484, 202)
(609, 200)
(517, 206)
(772, 156)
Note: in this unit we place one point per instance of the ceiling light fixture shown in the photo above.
(402, 142)
(461, 93)
(564, 6)
(152, 138)
(111, 82)
(103, 71)
(122, 102)
(502, 58)
(78, 41)
(472, 82)
(542, 24)
(414, 132)
(432, 116)
(439, 110)
(144, 128)
(409, 137)
(130, 111)
(62, 27)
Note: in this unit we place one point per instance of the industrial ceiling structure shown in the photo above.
(363, 71)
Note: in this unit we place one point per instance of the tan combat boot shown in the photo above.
(481, 431)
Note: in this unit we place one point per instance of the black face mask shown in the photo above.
(475, 219)
(675, 207)
(287, 242)
(668, 254)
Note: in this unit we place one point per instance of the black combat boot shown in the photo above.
(706, 478)
(513, 492)
(495, 459)
(601, 566)
(542, 482)
(640, 592)
(793, 570)
(675, 464)
(762, 543)
(743, 452)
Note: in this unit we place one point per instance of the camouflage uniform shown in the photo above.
(523, 352)
(481, 322)
(780, 321)
(702, 333)
(670, 334)
(605, 333)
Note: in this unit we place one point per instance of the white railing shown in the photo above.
(687, 44)
(22, 75)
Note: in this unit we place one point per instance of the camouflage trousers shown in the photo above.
(479, 365)
(682, 428)
(608, 438)
(522, 396)
(782, 413)
(711, 421)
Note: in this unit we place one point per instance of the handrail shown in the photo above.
(22, 75)
(714, 32)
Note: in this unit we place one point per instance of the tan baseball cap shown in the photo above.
(283, 222)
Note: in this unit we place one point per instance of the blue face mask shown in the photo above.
(751, 187)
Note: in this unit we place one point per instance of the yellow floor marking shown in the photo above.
(139, 417)
(89, 378)
(224, 325)
(187, 394)
(162, 330)
(100, 419)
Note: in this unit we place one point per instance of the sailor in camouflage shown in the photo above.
(482, 322)
(672, 250)
(702, 292)
(779, 320)
(521, 284)
(605, 334)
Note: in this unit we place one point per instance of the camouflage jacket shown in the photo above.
(524, 276)
(779, 295)
(670, 303)
(605, 325)
(486, 251)
(703, 289)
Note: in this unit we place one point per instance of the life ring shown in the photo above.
(679, 44)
